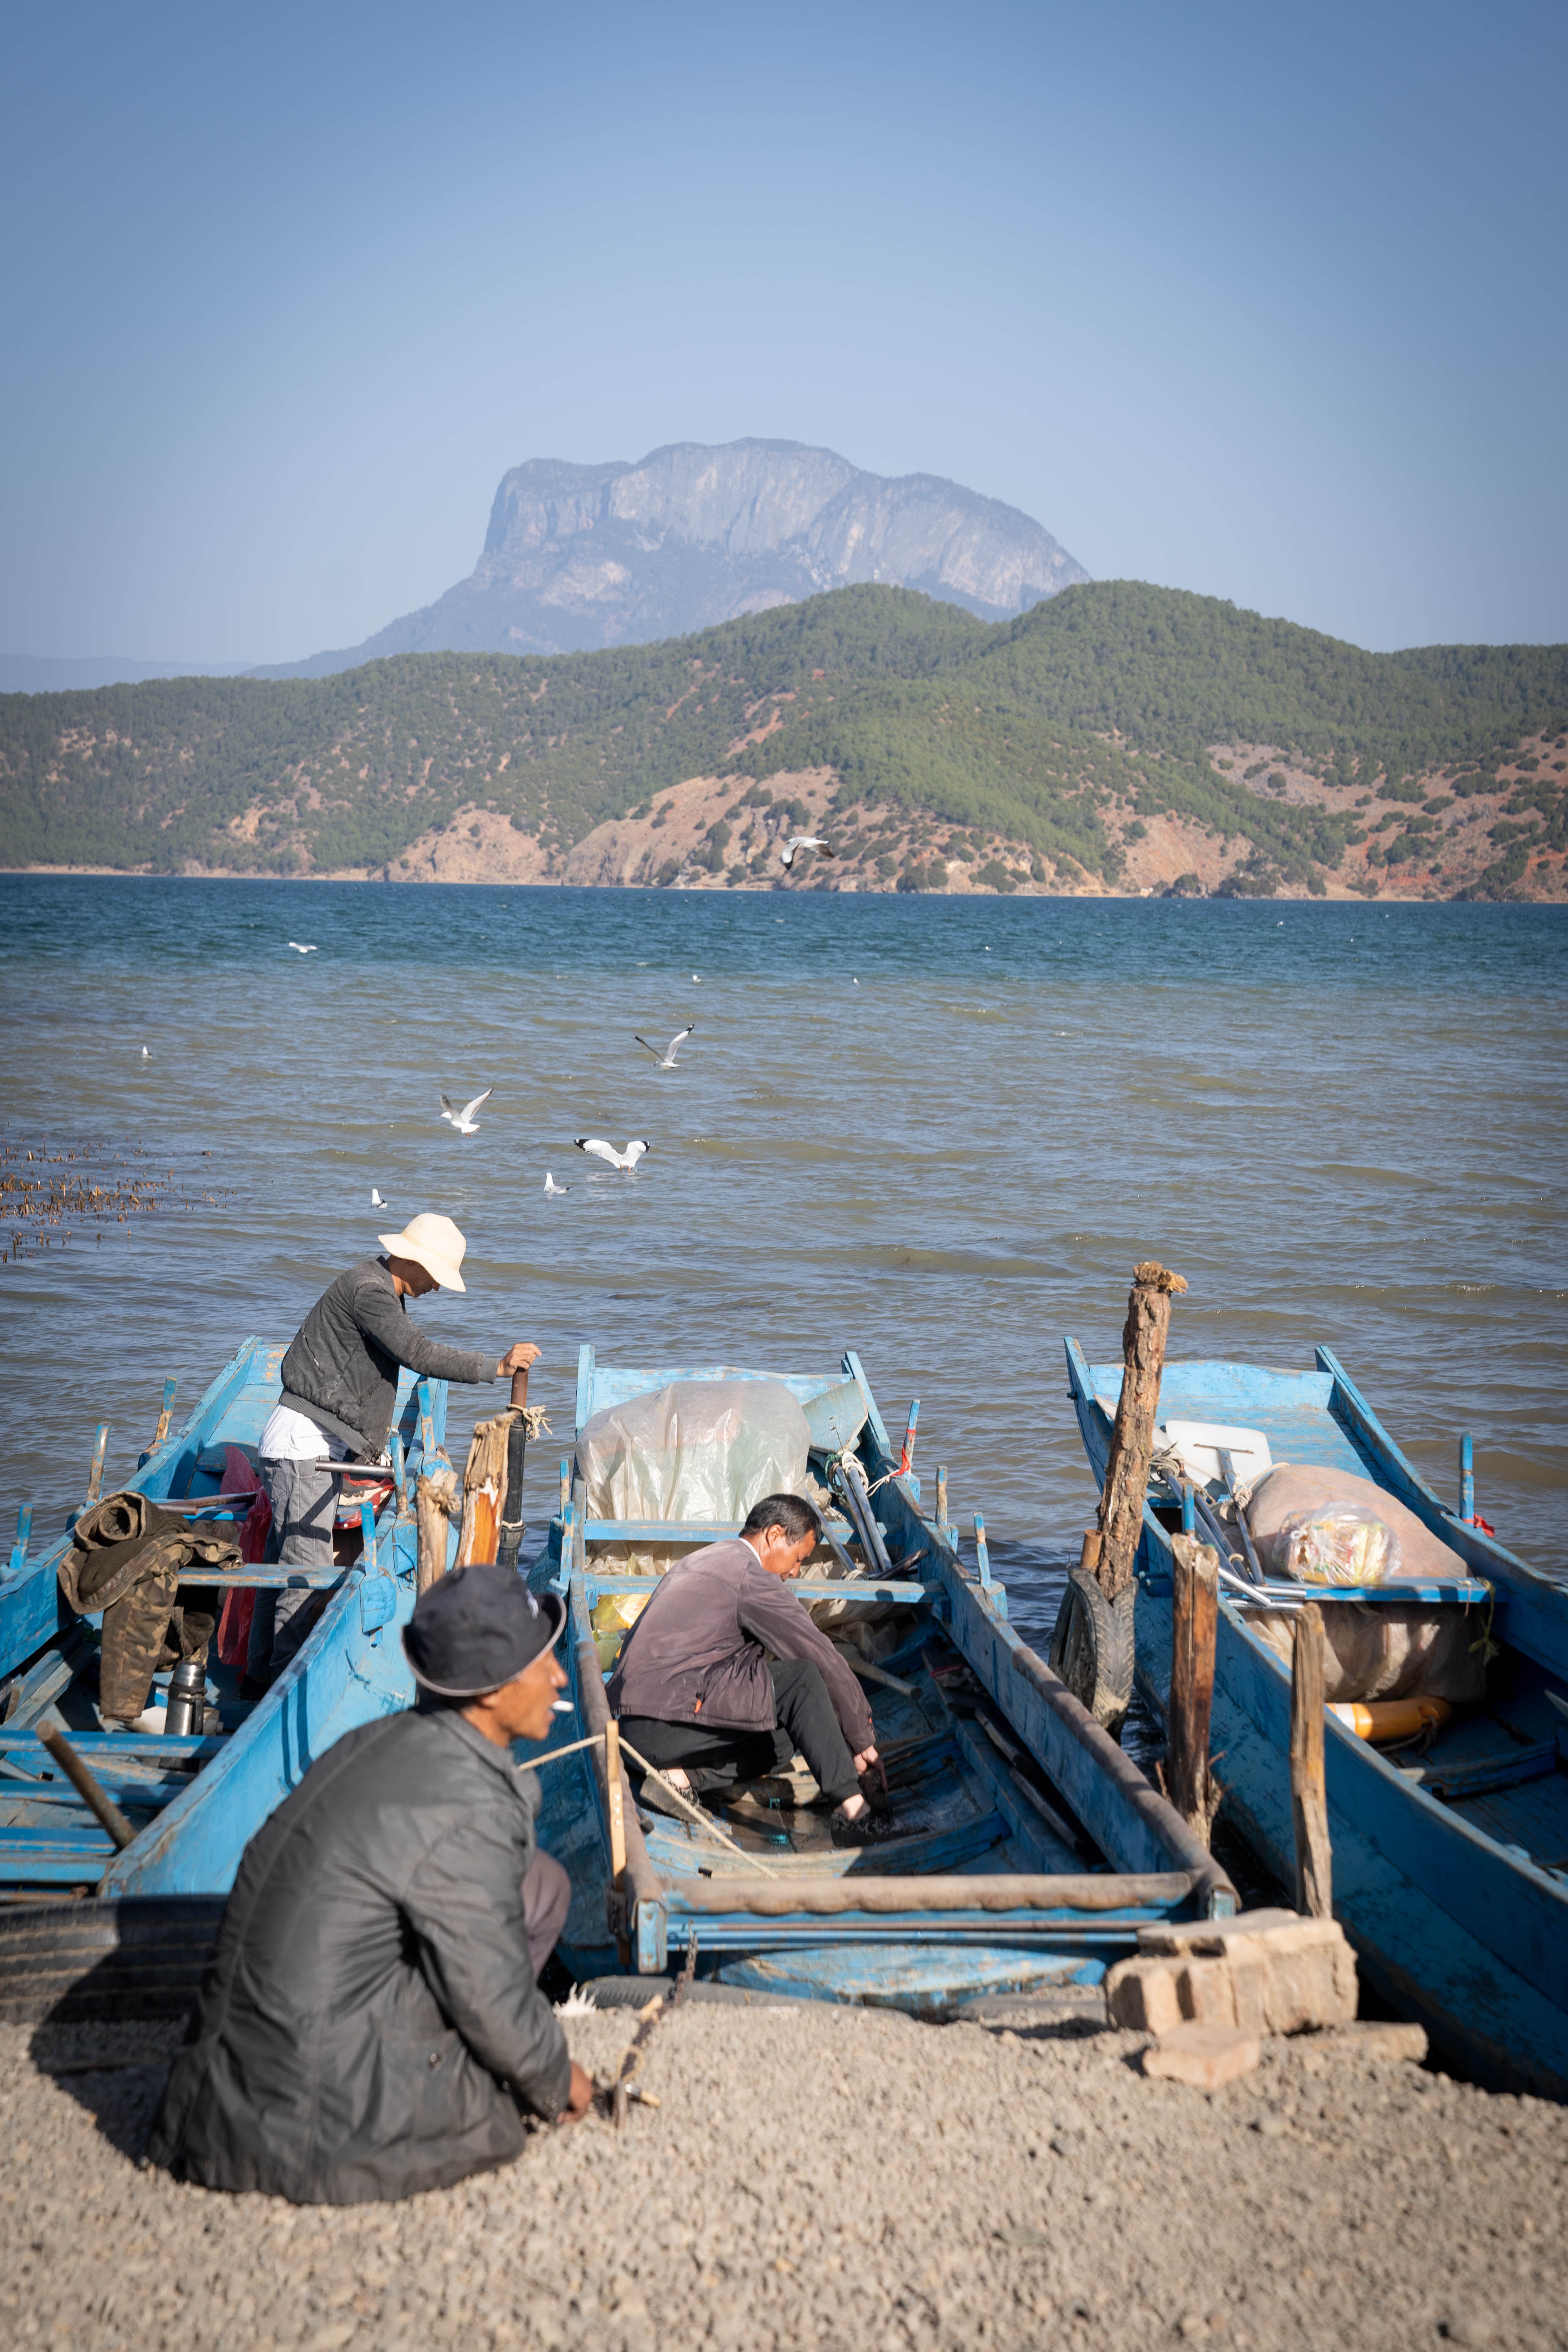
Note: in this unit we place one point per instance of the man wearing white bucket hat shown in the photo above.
(339, 1388)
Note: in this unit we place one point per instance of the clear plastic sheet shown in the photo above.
(694, 1450)
(691, 1450)
(1337, 1543)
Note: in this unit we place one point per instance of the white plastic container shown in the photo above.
(1198, 1445)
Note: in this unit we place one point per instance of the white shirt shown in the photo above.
(292, 1436)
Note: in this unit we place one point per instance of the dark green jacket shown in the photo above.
(370, 2025)
(341, 1369)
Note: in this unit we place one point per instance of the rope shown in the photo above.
(576, 1745)
(698, 1815)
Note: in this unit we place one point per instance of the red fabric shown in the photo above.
(233, 1625)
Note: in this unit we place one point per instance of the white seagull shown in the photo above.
(300, 950)
(146, 1056)
(376, 1200)
(664, 1057)
(552, 1186)
(799, 841)
(603, 1151)
(464, 1120)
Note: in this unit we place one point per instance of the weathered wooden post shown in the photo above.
(615, 1808)
(1309, 1791)
(435, 1505)
(1194, 1621)
(1092, 1647)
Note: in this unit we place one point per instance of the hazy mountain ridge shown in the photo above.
(581, 557)
(1117, 737)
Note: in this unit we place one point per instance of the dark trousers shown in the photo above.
(546, 1899)
(714, 1757)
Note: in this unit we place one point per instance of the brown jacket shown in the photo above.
(699, 1651)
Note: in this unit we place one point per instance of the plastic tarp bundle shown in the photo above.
(1371, 1649)
(691, 1450)
(694, 1450)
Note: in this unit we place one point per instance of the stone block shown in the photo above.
(1141, 1996)
(1204, 2055)
(1263, 1972)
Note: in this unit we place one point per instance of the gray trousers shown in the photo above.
(546, 1900)
(302, 1498)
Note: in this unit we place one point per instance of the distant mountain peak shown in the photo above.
(578, 557)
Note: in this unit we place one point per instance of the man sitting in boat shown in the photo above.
(340, 1391)
(371, 2025)
(698, 1698)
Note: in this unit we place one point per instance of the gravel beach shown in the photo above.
(827, 2177)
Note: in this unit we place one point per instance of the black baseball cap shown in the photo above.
(478, 1628)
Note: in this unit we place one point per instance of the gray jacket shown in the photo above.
(342, 1370)
(370, 2025)
(699, 1651)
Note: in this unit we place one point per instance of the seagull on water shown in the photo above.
(665, 1056)
(300, 948)
(376, 1200)
(464, 1120)
(552, 1186)
(602, 1150)
(799, 841)
(146, 1056)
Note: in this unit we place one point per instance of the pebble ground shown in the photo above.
(824, 2177)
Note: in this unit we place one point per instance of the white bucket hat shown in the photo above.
(433, 1242)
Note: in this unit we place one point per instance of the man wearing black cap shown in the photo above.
(372, 2024)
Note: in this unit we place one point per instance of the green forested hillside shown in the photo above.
(1107, 696)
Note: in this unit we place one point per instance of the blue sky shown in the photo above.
(1265, 301)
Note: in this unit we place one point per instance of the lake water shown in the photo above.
(939, 1133)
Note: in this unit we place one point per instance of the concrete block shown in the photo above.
(1264, 1972)
(1141, 1996)
(1203, 2055)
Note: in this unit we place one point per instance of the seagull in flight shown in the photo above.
(602, 1150)
(300, 948)
(665, 1057)
(376, 1200)
(464, 1120)
(799, 841)
(551, 1186)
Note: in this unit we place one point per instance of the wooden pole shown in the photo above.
(1194, 1621)
(435, 1499)
(89, 1787)
(615, 1807)
(617, 1800)
(1309, 1793)
(1133, 1437)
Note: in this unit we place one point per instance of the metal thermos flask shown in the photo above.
(187, 1698)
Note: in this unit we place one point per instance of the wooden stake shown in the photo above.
(1133, 1438)
(435, 1504)
(1309, 1793)
(87, 1786)
(615, 1800)
(1195, 1620)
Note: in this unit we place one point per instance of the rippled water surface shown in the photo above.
(939, 1133)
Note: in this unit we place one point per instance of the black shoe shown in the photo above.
(653, 1795)
(865, 1829)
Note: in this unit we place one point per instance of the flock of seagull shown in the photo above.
(462, 1117)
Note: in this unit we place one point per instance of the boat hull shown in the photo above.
(1449, 1924)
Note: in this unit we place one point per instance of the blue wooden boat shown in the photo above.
(1450, 1867)
(195, 1801)
(1032, 1849)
